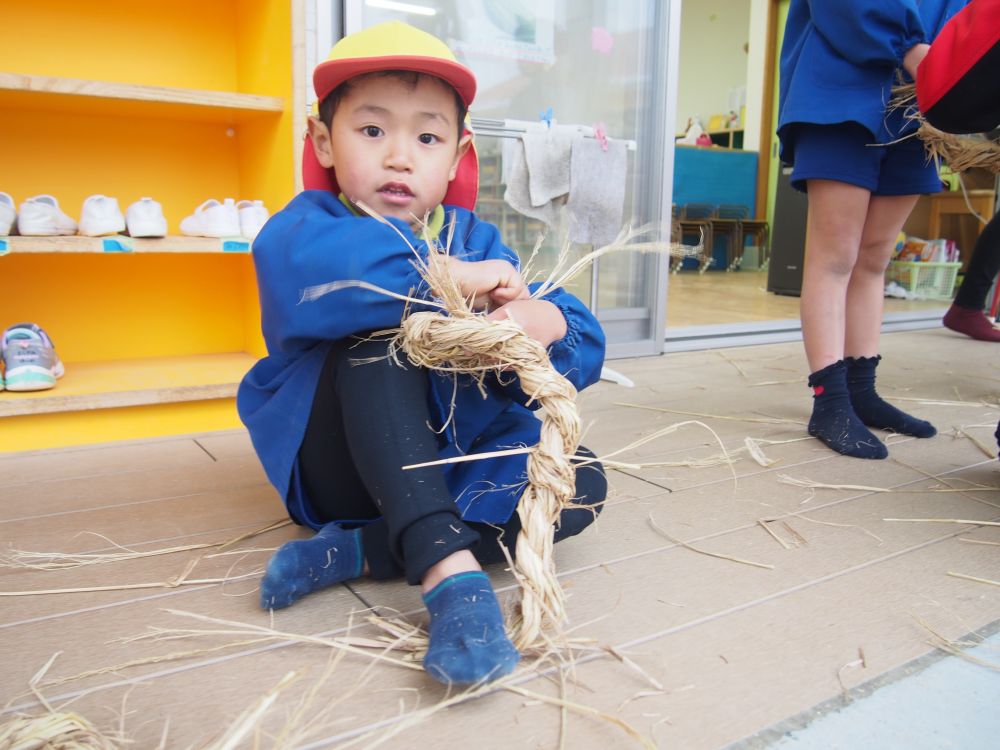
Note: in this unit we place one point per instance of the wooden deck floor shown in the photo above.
(724, 650)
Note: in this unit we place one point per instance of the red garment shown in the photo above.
(958, 83)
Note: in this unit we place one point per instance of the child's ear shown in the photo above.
(319, 133)
(464, 144)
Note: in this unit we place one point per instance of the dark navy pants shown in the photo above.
(370, 420)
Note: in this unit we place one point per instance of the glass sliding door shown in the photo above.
(580, 63)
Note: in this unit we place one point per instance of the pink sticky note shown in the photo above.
(601, 40)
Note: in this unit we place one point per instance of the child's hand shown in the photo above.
(914, 57)
(490, 283)
(539, 318)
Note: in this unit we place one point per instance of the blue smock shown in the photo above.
(316, 240)
(839, 57)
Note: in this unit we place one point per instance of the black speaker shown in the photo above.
(788, 237)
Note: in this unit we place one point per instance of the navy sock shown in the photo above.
(468, 643)
(833, 419)
(302, 566)
(870, 407)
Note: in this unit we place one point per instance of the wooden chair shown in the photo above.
(759, 230)
(697, 218)
(728, 223)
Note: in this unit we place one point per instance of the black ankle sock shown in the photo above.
(833, 419)
(870, 407)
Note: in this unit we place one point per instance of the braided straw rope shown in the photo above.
(464, 341)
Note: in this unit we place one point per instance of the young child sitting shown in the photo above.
(334, 434)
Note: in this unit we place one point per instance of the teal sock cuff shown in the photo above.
(450, 581)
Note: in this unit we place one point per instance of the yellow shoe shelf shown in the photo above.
(180, 101)
(123, 244)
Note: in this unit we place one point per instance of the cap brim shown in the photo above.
(330, 74)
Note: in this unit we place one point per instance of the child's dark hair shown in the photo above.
(408, 77)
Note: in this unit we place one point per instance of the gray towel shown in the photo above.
(596, 191)
(518, 193)
(547, 154)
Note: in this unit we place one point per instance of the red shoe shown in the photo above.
(970, 322)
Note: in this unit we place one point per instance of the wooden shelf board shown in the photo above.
(49, 92)
(123, 244)
(136, 382)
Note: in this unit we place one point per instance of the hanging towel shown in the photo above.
(517, 194)
(547, 154)
(596, 191)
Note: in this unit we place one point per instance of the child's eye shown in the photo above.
(428, 138)
(372, 131)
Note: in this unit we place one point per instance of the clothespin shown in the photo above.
(547, 117)
(601, 135)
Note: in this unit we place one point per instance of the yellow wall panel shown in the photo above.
(178, 43)
(73, 156)
(115, 306)
(85, 427)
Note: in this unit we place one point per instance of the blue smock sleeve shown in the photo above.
(869, 32)
(303, 247)
(578, 356)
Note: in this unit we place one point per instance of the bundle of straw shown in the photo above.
(54, 731)
(958, 152)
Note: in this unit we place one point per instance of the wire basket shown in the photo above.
(926, 280)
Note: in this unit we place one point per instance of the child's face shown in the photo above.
(394, 147)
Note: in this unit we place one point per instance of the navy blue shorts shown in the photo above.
(842, 152)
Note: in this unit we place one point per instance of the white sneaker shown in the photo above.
(41, 217)
(7, 214)
(100, 216)
(213, 219)
(144, 218)
(253, 216)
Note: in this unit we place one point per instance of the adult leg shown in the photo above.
(835, 224)
(966, 313)
(865, 302)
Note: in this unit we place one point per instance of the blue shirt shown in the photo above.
(838, 60)
(316, 240)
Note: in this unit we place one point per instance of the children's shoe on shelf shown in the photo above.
(29, 358)
(41, 217)
(253, 216)
(100, 216)
(213, 219)
(8, 216)
(144, 218)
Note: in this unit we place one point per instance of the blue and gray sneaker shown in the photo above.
(29, 358)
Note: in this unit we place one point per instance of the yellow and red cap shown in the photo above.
(394, 45)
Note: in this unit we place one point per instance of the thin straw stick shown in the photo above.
(659, 530)
(974, 578)
(988, 451)
(761, 420)
(173, 583)
(763, 524)
(943, 520)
